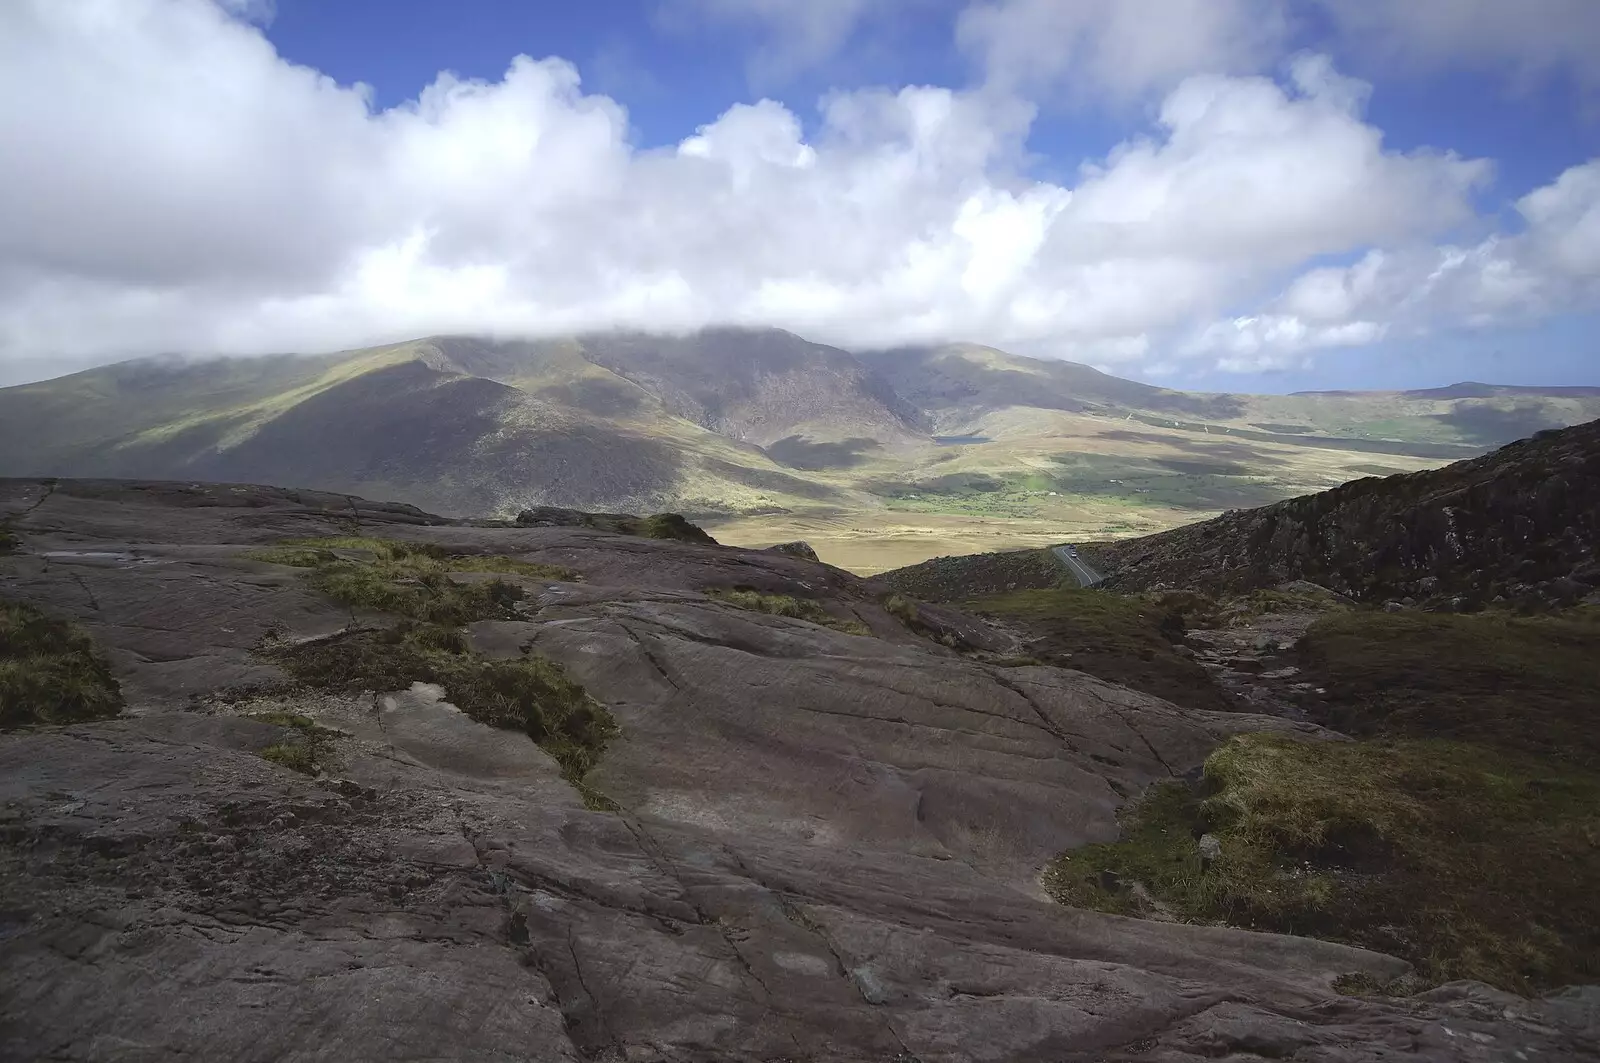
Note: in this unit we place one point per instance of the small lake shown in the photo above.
(959, 441)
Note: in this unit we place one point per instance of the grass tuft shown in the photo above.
(1468, 862)
(787, 605)
(305, 749)
(1127, 640)
(530, 694)
(50, 671)
(292, 755)
(672, 526)
(1528, 684)
(406, 579)
(10, 542)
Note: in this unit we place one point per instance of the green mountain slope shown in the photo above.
(963, 388)
(410, 421)
(879, 459)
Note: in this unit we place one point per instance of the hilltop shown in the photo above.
(875, 458)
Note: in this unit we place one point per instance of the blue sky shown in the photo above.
(1231, 194)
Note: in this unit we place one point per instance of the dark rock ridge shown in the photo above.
(955, 579)
(798, 548)
(826, 846)
(1523, 521)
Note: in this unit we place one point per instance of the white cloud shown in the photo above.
(173, 185)
(1529, 39)
(1126, 48)
(258, 11)
(1551, 266)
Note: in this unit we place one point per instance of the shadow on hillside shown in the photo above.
(797, 452)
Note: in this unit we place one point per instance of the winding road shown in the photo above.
(1086, 575)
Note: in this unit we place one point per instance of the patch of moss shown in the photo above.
(905, 610)
(1529, 684)
(292, 755)
(50, 671)
(1468, 862)
(656, 526)
(1275, 600)
(790, 606)
(408, 579)
(306, 749)
(530, 693)
(1126, 640)
(673, 526)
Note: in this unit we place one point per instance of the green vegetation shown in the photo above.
(1468, 862)
(307, 746)
(408, 579)
(295, 757)
(1076, 478)
(905, 610)
(412, 581)
(672, 526)
(10, 542)
(1119, 639)
(1182, 610)
(787, 605)
(529, 694)
(1527, 684)
(957, 579)
(50, 671)
(656, 526)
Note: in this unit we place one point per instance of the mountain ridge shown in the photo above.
(764, 430)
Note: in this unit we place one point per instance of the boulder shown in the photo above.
(799, 548)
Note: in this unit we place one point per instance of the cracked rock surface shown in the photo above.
(827, 849)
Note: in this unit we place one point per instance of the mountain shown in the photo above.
(1520, 524)
(1523, 521)
(292, 775)
(955, 383)
(454, 423)
(877, 458)
(960, 387)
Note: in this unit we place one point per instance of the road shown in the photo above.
(1087, 576)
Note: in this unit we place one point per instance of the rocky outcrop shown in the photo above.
(1523, 521)
(957, 579)
(825, 846)
(799, 548)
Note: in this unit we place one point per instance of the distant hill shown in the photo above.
(1523, 521)
(755, 424)
(459, 425)
(1520, 523)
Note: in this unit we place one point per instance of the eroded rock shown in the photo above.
(826, 849)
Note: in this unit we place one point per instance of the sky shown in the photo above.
(1263, 195)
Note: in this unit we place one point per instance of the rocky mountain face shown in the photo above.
(957, 381)
(1521, 522)
(723, 421)
(784, 837)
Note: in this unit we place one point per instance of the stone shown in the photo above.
(1210, 847)
(1393, 607)
(827, 846)
(799, 548)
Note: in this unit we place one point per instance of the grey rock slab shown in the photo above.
(828, 847)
